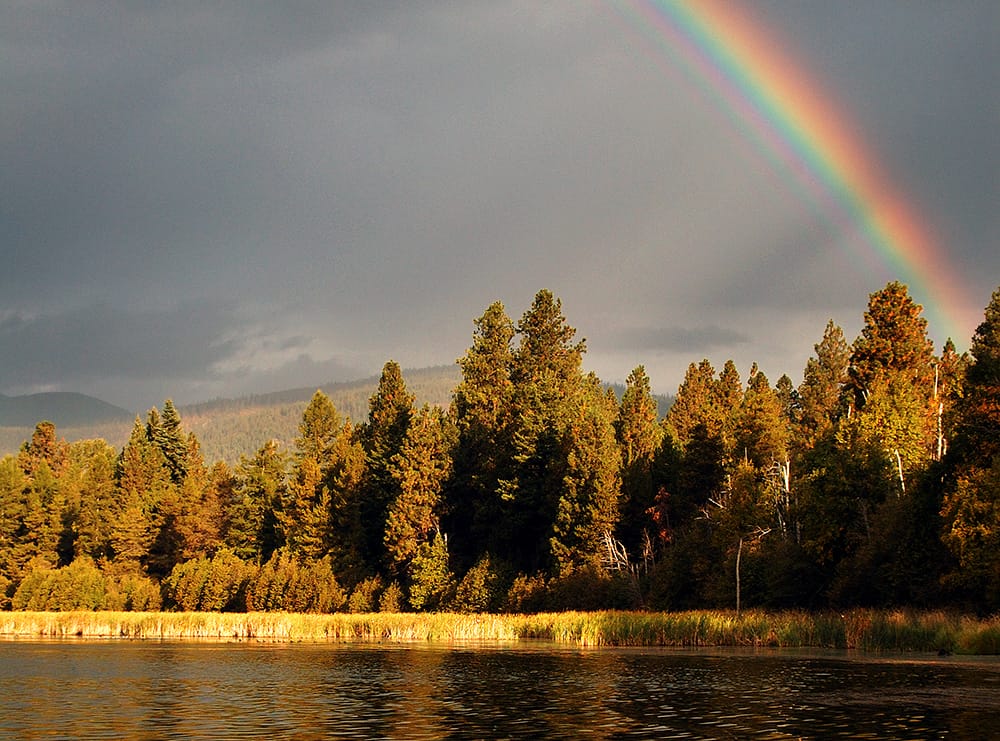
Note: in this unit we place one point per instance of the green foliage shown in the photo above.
(479, 590)
(286, 584)
(215, 584)
(431, 581)
(365, 595)
(79, 586)
(872, 483)
(392, 599)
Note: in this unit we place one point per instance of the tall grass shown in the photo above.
(866, 630)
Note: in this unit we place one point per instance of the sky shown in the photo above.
(204, 200)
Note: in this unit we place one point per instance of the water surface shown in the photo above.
(152, 689)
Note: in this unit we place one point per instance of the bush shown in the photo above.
(131, 591)
(392, 599)
(526, 594)
(216, 584)
(79, 586)
(479, 590)
(285, 584)
(365, 595)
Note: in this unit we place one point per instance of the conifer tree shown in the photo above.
(252, 530)
(144, 487)
(199, 520)
(587, 507)
(639, 437)
(481, 407)
(420, 469)
(93, 525)
(164, 431)
(318, 429)
(891, 380)
(822, 382)
(390, 409)
(344, 478)
(695, 404)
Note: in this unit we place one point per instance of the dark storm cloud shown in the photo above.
(690, 340)
(199, 199)
(98, 340)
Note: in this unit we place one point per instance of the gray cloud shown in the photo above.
(198, 200)
(690, 340)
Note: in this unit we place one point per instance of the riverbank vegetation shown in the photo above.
(874, 482)
(866, 630)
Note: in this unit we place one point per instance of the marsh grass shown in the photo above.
(866, 630)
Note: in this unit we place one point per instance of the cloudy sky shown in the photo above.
(211, 199)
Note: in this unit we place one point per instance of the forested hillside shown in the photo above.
(873, 481)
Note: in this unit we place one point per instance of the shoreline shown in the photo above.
(864, 630)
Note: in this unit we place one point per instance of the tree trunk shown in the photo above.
(739, 553)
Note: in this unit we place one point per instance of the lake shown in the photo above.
(152, 689)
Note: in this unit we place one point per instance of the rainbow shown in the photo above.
(808, 137)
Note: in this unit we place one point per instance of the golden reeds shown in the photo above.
(867, 630)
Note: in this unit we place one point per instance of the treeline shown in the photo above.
(874, 482)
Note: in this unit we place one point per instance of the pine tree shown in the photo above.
(587, 507)
(821, 390)
(891, 380)
(761, 433)
(420, 469)
(344, 479)
(481, 407)
(93, 525)
(145, 491)
(695, 404)
(318, 429)
(164, 431)
(977, 436)
(389, 412)
(639, 437)
(200, 518)
(252, 530)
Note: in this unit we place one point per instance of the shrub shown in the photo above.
(216, 584)
(392, 599)
(526, 594)
(479, 590)
(283, 583)
(365, 595)
(79, 586)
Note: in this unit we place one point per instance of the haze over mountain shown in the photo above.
(64, 408)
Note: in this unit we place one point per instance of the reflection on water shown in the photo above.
(202, 690)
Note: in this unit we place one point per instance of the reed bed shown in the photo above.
(866, 630)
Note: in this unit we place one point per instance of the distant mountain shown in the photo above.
(226, 428)
(65, 409)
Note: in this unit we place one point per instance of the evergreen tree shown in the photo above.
(587, 507)
(199, 521)
(420, 469)
(890, 380)
(252, 531)
(164, 431)
(547, 380)
(145, 496)
(695, 404)
(344, 479)
(481, 407)
(95, 520)
(431, 580)
(389, 412)
(977, 435)
(318, 429)
(761, 433)
(822, 383)
(639, 437)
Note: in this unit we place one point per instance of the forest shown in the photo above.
(873, 482)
